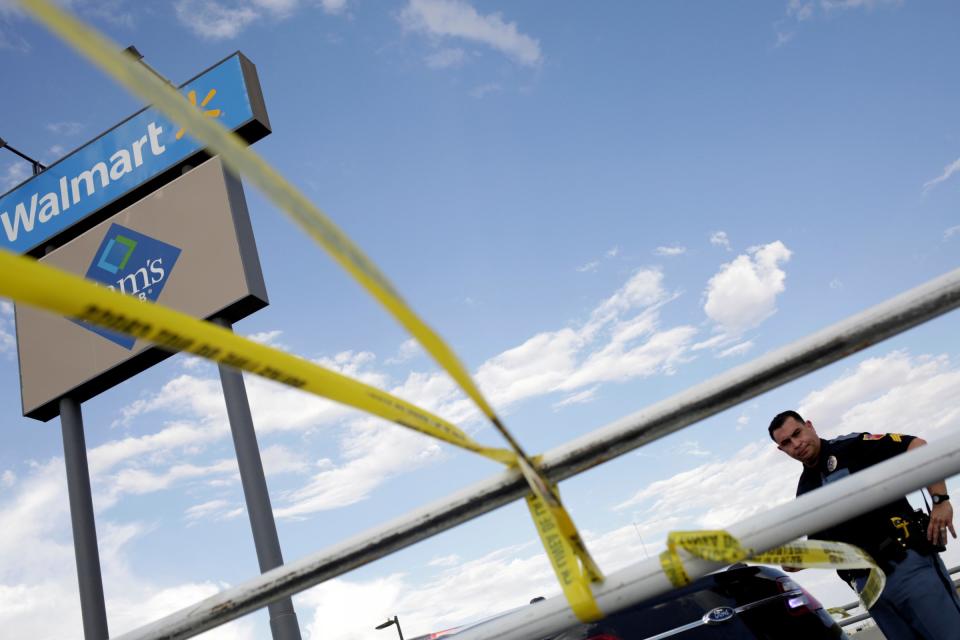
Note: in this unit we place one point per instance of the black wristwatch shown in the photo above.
(937, 498)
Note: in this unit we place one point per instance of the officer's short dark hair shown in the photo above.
(780, 418)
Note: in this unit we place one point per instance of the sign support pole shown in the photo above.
(283, 618)
(92, 605)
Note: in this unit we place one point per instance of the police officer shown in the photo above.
(919, 600)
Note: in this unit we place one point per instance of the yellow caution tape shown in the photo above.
(28, 281)
(720, 546)
(244, 161)
(566, 558)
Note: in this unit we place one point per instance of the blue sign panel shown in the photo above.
(121, 160)
(133, 263)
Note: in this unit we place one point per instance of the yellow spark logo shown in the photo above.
(211, 113)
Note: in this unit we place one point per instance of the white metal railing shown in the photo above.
(633, 584)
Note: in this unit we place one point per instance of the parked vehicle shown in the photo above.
(740, 603)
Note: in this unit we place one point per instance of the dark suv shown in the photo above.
(739, 603)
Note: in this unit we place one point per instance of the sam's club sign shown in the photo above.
(134, 264)
(127, 156)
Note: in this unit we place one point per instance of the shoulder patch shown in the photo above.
(896, 437)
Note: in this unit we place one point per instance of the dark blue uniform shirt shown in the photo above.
(839, 457)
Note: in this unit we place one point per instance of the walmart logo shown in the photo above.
(134, 264)
(210, 113)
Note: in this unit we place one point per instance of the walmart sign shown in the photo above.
(121, 162)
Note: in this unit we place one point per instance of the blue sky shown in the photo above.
(596, 205)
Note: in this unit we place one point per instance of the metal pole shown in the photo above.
(283, 619)
(858, 332)
(92, 606)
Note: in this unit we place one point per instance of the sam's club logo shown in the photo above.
(134, 264)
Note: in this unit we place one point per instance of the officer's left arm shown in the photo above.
(941, 515)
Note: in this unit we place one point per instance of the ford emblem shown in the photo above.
(718, 615)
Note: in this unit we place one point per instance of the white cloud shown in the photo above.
(743, 293)
(593, 265)
(720, 239)
(836, 284)
(690, 448)
(14, 174)
(581, 397)
(212, 19)
(675, 250)
(644, 288)
(110, 11)
(948, 171)
(446, 58)
(830, 5)
(717, 341)
(370, 446)
(444, 561)
(139, 481)
(8, 479)
(374, 451)
(804, 10)
(38, 588)
(225, 19)
(10, 39)
(906, 395)
(274, 407)
(8, 341)
(212, 509)
(952, 231)
(280, 8)
(736, 350)
(408, 350)
(65, 128)
(278, 459)
(783, 37)
(458, 19)
(333, 6)
(621, 340)
(484, 90)
(800, 9)
(269, 338)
